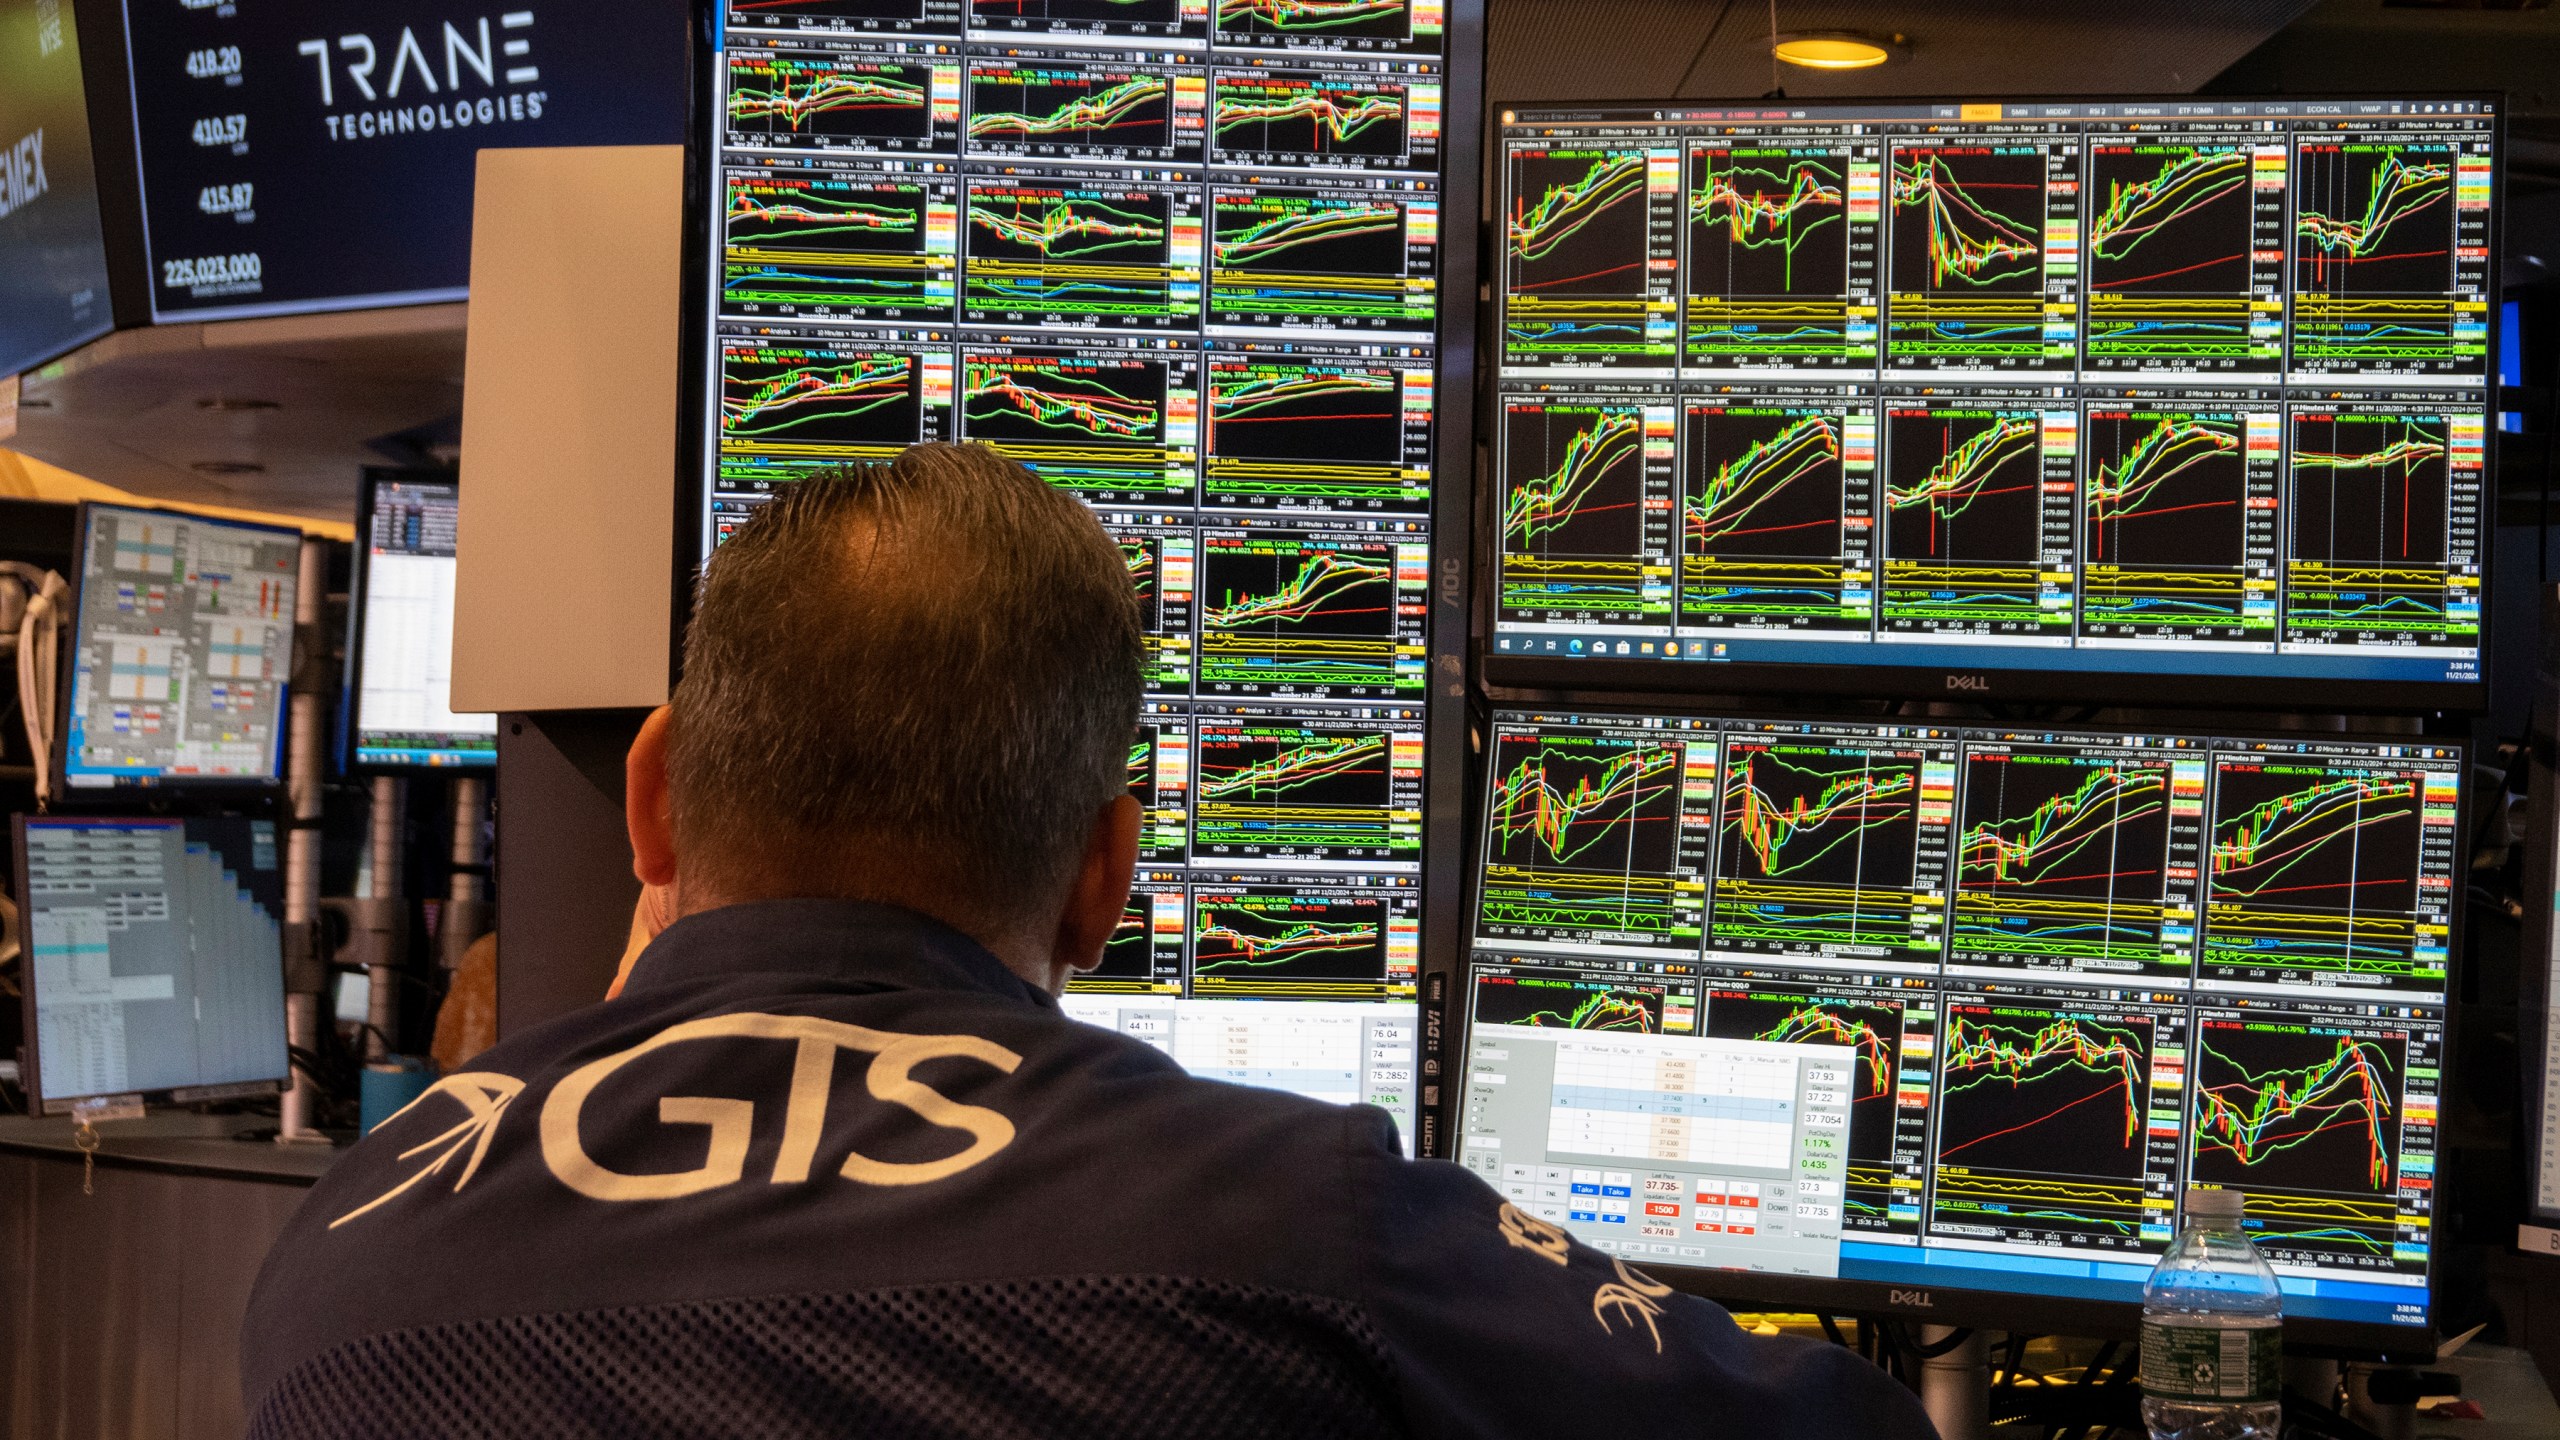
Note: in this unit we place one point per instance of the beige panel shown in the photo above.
(568, 430)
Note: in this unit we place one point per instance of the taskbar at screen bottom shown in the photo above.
(2306, 1297)
(1344, 1052)
(427, 757)
(1915, 1270)
(2374, 664)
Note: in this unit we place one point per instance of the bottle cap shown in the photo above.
(2218, 1204)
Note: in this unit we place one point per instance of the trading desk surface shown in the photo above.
(174, 1143)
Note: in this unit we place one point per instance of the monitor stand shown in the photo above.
(1955, 1388)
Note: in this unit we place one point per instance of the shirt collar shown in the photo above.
(853, 941)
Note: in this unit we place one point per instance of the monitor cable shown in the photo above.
(39, 655)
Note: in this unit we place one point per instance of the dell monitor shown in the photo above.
(400, 659)
(181, 648)
(1945, 1019)
(155, 959)
(2038, 400)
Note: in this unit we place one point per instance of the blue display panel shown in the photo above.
(1184, 260)
(2020, 399)
(2072, 972)
(156, 958)
(400, 699)
(180, 650)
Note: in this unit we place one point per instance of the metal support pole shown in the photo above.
(2313, 1380)
(304, 721)
(385, 918)
(2391, 1419)
(466, 909)
(1955, 1388)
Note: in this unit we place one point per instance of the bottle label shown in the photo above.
(2213, 1366)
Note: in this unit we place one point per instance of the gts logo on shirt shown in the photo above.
(486, 1096)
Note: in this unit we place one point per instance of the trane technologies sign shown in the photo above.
(303, 155)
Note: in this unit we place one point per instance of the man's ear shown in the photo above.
(644, 804)
(1101, 893)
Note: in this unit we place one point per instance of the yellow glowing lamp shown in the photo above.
(1831, 52)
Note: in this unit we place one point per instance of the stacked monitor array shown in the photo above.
(2044, 400)
(400, 664)
(2179, 403)
(155, 944)
(2073, 973)
(1185, 259)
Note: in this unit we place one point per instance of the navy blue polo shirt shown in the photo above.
(830, 1168)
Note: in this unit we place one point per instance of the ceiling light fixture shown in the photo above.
(1831, 50)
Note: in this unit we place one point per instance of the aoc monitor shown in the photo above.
(1206, 268)
(156, 964)
(181, 649)
(2021, 399)
(400, 665)
(1944, 1020)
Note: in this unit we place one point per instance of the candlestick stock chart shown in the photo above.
(1817, 849)
(2043, 1124)
(2063, 863)
(2305, 1114)
(2316, 869)
(1766, 515)
(1584, 839)
(1577, 538)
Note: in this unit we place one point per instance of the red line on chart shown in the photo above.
(1996, 1134)
(2403, 255)
(2165, 274)
(2174, 509)
(1569, 279)
(1774, 529)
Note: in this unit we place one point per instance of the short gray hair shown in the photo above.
(916, 676)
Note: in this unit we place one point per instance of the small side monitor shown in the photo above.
(181, 649)
(400, 650)
(155, 958)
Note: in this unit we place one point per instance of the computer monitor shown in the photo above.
(2009, 398)
(181, 649)
(2061, 975)
(400, 653)
(155, 963)
(1196, 269)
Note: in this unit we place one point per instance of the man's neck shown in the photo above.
(1036, 962)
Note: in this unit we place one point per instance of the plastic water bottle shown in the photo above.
(2212, 1331)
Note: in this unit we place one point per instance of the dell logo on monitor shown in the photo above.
(1969, 682)
(1918, 1299)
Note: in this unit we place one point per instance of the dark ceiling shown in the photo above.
(1682, 49)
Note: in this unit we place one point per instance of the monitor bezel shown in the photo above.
(351, 723)
(68, 792)
(1673, 678)
(2541, 852)
(2007, 1310)
(31, 1078)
